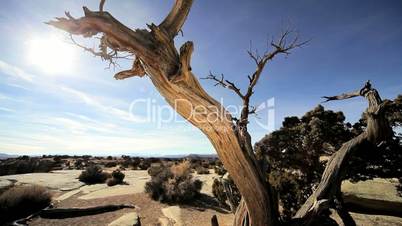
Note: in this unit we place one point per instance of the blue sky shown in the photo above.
(78, 108)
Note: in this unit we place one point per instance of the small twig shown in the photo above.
(101, 4)
(107, 56)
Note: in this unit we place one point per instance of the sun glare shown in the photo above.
(51, 54)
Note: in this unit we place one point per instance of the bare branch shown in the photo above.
(224, 83)
(119, 37)
(173, 23)
(110, 56)
(343, 96)
(101, 4)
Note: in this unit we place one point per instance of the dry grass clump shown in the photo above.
(21, 201)
(174, 184)
(93, 175)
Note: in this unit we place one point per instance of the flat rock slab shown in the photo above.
(164, 221)
(376, 189)
(174, 214)
(5, 184)
(67, 195)
(113, 191)
(56, 180)
(128, 219)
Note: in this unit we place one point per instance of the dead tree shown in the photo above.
(170, 72)
(378, 132)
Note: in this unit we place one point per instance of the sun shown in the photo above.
(51, 54)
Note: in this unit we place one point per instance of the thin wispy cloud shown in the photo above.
(7, 110)
(15, 72)
(93, 102)
(108, 128)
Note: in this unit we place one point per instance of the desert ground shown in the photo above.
(69, 192)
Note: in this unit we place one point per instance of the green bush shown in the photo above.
(174, 184)
(21, 201)
(93, 175)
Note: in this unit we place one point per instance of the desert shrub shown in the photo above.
(202, 170)
(226, 196)
(93, 175)
(220, 170)
(155, 169)
(79, 164)
(144, 164)
(117, 178)
(135, 162)
(57, 159)
(25, 164)
(21, 201)
(219, 192)
(126, 163)
(110, 164)
(174, 184)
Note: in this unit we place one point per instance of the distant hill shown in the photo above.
(6, 156)
(202, 156)
(192, 156)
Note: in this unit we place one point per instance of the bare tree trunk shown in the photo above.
(170, 72)
(377, 131)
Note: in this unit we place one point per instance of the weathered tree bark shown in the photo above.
(170, 72)
(378, 131)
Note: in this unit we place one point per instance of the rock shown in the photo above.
(376, 189)
(106, 191)
(164, 221)
(67, 195)
(55, 180)
(129, 219)
(4, 184)
(174, 215)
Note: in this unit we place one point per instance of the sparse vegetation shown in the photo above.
(25, 164)
(21, 201)
(202, 170)
(174, 184)
(93, 175)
